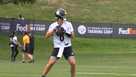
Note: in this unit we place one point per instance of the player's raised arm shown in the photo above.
(72, 35)
(50, 31)
(48, 34)
(70, 32)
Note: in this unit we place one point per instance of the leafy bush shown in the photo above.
(5, 1)
(17, 1)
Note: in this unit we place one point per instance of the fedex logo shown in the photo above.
(21, 28)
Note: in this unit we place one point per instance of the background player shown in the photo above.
(27, 54)
(13, 42)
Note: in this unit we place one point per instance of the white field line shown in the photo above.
(104, 73)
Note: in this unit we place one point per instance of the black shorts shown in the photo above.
(31, 49)
(66, 53)
(28, 49)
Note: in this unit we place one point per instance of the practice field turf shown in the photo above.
(88, 65)
(95, 58)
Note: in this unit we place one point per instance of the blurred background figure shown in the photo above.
(31, 46)
(13, 42)
(32, 42)
(28, 44)
(20, 17)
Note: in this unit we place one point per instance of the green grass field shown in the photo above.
(95, 58)
(95, 65)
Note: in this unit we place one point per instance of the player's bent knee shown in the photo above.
(51, 62)
(72, 62)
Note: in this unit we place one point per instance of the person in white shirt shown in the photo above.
(14, 46)
(62, 32)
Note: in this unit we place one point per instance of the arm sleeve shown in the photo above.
(70, 29)
(51, 27)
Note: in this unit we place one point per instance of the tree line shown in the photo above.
(18, 1)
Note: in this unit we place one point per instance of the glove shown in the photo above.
(68, 34)
(60, 32)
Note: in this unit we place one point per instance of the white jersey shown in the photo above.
(67, 40)
(13, 40)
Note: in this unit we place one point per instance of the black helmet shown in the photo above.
(60, 13)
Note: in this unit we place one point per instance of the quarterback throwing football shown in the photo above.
(62, 32)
